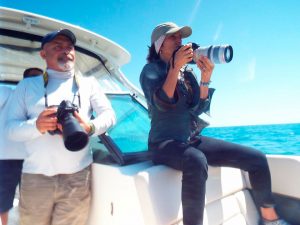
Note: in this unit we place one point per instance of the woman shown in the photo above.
(175, 101)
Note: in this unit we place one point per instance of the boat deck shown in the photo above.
(13, 218)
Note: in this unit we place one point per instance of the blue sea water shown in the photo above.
(283, 139)
(130, 134)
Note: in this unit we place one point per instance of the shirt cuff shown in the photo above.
(204, 104)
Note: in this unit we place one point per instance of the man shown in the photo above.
(9, 178)
(11, 154)
(32, 72)
(55, 181)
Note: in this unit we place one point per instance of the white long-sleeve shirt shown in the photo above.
(8, 149)
(46, 153)
(4, 95)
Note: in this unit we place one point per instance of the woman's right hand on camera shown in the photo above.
(47, 120)
(183, 55)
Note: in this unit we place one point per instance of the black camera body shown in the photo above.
(75, 138)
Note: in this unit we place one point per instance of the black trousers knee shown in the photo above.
(192, 159)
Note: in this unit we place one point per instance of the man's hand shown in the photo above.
(47, 120)
(82, 123)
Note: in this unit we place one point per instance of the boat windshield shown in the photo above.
(127, 140)
(131, 131)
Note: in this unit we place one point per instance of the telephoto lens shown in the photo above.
(75, 138)
(216, 53)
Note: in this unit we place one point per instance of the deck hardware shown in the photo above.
(28, 20)
(111, 208)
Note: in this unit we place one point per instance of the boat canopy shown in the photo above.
(20, 37)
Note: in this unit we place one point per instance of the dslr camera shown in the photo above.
(216, 53)
(75, 138)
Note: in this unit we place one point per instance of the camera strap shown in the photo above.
(46, 80)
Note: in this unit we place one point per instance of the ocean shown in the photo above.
(283, 139)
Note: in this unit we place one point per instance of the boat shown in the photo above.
(127, 189)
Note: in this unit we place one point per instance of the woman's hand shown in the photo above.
(183, 55)
(206, 67)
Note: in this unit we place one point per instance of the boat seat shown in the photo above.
(228, 199)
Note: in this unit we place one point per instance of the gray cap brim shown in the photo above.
(185, 31)
(169, 28)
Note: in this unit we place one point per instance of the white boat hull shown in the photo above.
(143, 194)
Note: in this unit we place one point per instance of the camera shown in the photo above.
(75, 138)
(216, 53)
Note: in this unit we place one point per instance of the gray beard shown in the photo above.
(66, 66)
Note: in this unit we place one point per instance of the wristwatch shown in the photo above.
(205, 84)
(92, 129)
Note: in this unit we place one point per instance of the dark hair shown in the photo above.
(152, 55)
(31, 72)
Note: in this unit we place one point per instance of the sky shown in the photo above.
(259, 86)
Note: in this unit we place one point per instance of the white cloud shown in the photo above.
(246, 71)
(251, 70)
(194, 12)
(218, 31)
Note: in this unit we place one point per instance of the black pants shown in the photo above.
(10, 176)
(192, 160)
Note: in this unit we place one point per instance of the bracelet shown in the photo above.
(92, 129)
(205, 84)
